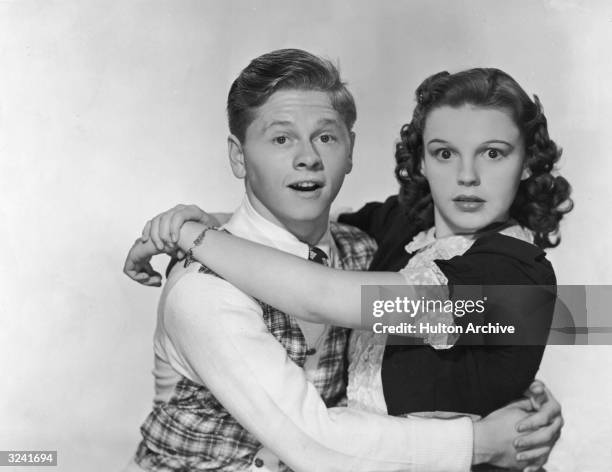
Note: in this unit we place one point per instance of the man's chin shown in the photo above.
(308, 214)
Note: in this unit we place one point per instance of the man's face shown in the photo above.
(294, 157)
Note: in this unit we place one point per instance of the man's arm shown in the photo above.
(221, 337)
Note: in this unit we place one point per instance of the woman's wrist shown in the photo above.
(190, 231)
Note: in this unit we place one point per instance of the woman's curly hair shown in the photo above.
(541, 200)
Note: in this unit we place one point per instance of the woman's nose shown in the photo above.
(468, 173)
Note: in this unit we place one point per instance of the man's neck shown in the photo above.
(309, 232)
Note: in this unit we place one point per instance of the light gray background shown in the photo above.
(111, 111)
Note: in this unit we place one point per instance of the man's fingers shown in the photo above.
(537, 467)
(540, 437)
(547, 413)
(523, 404)
(537, 394)
(533, 454)
(537, 387)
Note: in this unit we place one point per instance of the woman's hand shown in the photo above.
(165, 228)
(160, 235)
(137, 264)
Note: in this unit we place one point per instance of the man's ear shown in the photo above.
(236, 156)
(349, 167)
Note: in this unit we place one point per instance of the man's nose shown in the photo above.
(468, 173)
(308, 157)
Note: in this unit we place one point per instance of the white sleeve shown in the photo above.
(220, 336)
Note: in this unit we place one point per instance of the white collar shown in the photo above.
(428, 237)
(248, 223)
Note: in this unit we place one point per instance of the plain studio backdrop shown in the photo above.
(112, 111)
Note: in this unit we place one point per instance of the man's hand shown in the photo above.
(541, 429)
(138, 266)
(494, 437)
(540, 422)
(165, 228)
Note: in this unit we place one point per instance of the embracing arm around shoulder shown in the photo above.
(308, 291)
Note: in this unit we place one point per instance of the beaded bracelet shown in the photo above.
(196, 242)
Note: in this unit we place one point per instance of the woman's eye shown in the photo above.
(280, 139)
(444, 154)
(493, 153)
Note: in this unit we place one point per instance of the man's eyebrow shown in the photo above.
(277, 123)
(328, 121)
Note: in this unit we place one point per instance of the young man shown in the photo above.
(240, 385)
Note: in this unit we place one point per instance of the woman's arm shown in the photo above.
(308, 291)
(482, 373)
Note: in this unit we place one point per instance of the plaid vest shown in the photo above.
(193, 431)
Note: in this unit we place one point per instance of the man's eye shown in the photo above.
(327, 138)
(280, 139)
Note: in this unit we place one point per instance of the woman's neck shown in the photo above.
(495, 227)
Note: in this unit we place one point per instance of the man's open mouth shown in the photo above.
(306, 186)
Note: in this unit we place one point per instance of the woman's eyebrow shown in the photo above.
(499, 141)
(436, 141)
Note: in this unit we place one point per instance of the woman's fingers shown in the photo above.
(179, 216)
(154, 234)
(184, 213)
(146, 231)
(164, 228)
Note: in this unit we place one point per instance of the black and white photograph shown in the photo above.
(275, 236)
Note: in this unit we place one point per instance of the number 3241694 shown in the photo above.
(30, 458)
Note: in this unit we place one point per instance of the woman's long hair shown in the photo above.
(541, 200)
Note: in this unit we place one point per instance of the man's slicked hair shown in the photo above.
(285, 69)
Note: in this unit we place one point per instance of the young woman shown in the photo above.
(475, 166)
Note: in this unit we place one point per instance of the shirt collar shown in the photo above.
(428, 237)
(248, 223)
(421, 240)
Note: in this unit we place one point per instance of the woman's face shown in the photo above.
(473, 160)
